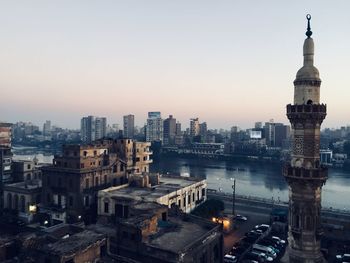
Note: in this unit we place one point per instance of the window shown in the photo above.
(184, 201)
(193, 197)
(105, 178)
(203, 192)
(82, 166)
(121, 168)
(28, 166)
(96, 181)
(87, 185)
(189, 199)
(179, 203)
(106, 207)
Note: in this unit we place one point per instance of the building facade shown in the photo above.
(92, 128)
(304, 174)
(169, 130)
(194, 127)
(154, 127)
(71, 184)
(185, 193)
(23, 197)
(129, 126)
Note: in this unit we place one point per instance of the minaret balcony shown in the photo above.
(306, 112)
(301, 173)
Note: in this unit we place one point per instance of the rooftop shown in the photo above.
(73, 243)
(168, 184)
(28, 185)
(177, 234)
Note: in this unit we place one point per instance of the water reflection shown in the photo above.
(254, 179)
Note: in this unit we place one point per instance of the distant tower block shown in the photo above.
(304, 174)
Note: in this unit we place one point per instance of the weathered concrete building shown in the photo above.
(146, 232)
(71, 184)
(23, 197)
(26, 170)
(137, 155)
(184, 192)
(66, 244)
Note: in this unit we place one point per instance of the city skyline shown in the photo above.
(172, 57)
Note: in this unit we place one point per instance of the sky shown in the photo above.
(226, 62)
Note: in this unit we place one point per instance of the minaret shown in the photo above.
(304, 174)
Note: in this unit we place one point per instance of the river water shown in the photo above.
(252, 179)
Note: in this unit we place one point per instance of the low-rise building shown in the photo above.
(23, 197)
(206, 149)
(26, 170)
(151, 233)
(184, 192)
(67, 244)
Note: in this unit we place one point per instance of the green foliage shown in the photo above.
(210, 208)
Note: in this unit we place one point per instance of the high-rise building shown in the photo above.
(93, 128)
(304, 173)
(276, 134)
(154, 127)
(129, 126)
(169, 130)
(178, 128)
(203, 129)
(47, 128)
(194, 127)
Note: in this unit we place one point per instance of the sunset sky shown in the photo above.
(226, 62)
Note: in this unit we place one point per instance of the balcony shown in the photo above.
(316, 174)
(306, 111)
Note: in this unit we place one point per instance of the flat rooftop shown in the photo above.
(168, 184)
(29, 185)
(177, 234)
(73, 243)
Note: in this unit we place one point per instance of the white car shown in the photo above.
(283, 242)
(343, 258)
(241, 218)
(230, 259)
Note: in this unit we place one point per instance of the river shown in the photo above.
(252, 179)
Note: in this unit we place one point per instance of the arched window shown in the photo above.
(9, 201)
(309, 102)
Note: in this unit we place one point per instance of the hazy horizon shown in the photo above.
(230, 63)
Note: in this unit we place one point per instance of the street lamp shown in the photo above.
(233, 195)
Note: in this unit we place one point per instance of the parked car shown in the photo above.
(343, 258)
(241, 218)
(279, 239)
(230, 259)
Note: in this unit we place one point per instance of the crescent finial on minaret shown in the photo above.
(308, 32)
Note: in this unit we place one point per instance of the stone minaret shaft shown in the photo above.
(304, 174)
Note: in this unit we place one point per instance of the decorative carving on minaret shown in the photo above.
(304, 173)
